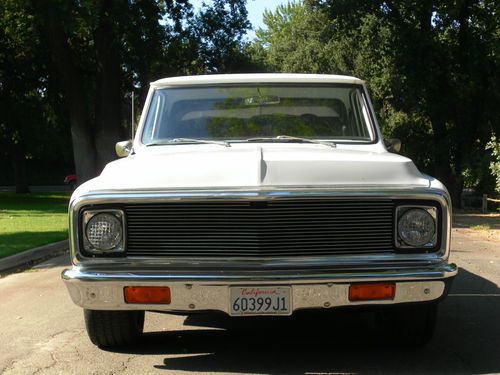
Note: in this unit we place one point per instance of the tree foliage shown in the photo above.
(80, 59)
(494, 146)
(218, 30)
(433, 69)
(31, 126)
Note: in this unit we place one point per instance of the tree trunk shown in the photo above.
(75, 97)
(442, 167)
(109, 129)
(465, 111)
(434, 81)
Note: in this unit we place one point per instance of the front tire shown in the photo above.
(411, 325)
(113, 328)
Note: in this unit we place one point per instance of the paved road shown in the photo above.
(42, 332)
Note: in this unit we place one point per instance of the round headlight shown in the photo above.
(104, 231)
(416, 227)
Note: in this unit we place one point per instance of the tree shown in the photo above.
(295, 40)
(85, 46)
(432, 68)
(218, 30)
(88, 55)
(102, 49)
(94, 51)
(21, 66)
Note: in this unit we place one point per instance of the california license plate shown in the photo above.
(260, 300)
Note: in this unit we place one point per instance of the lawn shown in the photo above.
(31, 220)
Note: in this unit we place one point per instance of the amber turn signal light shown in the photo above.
(371, 292)
(147, 294)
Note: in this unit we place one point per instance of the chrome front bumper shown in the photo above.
(101, 290)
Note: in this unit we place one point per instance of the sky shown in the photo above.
(255, 11)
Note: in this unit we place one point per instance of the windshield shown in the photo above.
(240, 113)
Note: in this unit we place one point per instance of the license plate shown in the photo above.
(260, 301)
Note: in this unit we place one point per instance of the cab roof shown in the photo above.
(214, 79)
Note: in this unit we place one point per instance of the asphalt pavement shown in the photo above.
(42, 332)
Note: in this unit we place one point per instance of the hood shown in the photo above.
(256, 166)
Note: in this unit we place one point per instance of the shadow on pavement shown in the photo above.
(59, 261)
(49, 261)
(467, 340)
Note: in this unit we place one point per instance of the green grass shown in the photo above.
(31, 220)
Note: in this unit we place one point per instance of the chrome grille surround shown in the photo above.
(357, 260)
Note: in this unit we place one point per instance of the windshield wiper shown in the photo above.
(187, 141)
(288, 138)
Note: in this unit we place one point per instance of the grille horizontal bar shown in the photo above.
(281, 227)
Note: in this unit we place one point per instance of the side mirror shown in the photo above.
(123, 148)
(393, 145)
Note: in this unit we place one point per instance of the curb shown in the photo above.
(33, 255)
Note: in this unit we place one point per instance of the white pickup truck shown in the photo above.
(259, 194)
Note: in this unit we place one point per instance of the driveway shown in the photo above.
(42, 332)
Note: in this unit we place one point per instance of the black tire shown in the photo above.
(113, 328)
(410, 325)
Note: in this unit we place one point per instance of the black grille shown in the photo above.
(284, 227)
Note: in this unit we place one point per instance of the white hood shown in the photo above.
(256, 166)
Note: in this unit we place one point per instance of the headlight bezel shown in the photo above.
(87, 247)
(434, 210)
